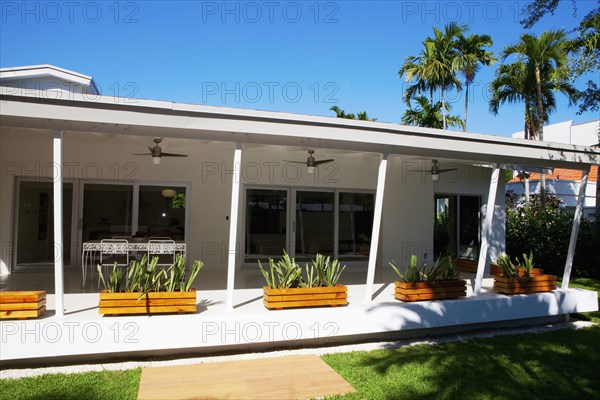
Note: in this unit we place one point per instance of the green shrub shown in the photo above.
(546, 233)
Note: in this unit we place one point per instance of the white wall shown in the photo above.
(408, 203)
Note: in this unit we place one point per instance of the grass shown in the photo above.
(559, 364)
(117, 385)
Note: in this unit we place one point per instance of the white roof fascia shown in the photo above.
(159, 118)
(38, 71)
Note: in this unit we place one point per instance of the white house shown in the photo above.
(564, 182)
(243, 189)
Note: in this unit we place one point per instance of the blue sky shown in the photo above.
(292, 56)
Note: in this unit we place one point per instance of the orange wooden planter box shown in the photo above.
(532, 284)
(278, 299)
(438, 290)
(22, 304)
(151, 303)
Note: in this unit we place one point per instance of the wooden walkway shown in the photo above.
(292, 377)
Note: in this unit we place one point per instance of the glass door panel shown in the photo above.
(355, 226)
(314, 224)
(444, 231)
(266, 224)
(162, 212)
(35, 223)
(468, 244)
(106, 211)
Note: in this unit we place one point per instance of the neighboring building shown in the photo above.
(564, 183)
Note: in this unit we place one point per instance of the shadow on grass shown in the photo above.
(559, 364)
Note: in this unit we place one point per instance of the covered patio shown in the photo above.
(239, 160)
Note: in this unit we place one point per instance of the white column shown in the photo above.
(233, 223)
(58, 225)
(376, 228)
(486, 230)
(575, 229)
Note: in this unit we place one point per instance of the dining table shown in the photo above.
(134, 246)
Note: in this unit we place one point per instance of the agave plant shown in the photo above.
(411, 274)
(507, 267)
(115, 278)
(286, 273)
(443, 270)
(527, 264)
(328, 273)
(144, 277)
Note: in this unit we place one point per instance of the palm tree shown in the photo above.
(441, 68)
(429, 115)
(415, 68)
(339, 113)
(547, 54)
(470, 56)
(362, 116)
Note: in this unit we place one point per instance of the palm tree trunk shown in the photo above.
(443, 109)
(540, 129)
(466, 105)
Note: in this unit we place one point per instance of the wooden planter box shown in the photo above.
(532, 284)
(151, 303)
(278, 299)
(22, 304)
(467, 265)
(437, 290)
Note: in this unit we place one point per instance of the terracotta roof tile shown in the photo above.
(564, 174)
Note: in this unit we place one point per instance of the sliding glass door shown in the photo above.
(35, 224)
(107, 211)
(331, 222)
(313, 224)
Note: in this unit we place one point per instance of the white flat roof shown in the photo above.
(36, 109)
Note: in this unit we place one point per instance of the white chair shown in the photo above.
(164, 249)
(113, 251)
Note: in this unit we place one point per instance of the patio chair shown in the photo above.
(164, 249)
(113, 250)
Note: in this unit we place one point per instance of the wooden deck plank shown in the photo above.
(292, 377)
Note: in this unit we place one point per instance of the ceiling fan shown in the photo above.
(436, 171)
(310, 162)
(156, 152)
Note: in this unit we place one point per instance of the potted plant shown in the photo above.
(288, 286)
(149, 290)
(439, 282)
(520, 277)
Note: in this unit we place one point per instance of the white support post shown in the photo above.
(376, 228)
(233, 223)
(486, 230)
(575, 229)
(58, 225)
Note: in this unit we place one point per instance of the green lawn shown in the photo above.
(559, 364)
(117, 385)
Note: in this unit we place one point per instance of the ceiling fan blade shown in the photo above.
(447, 170)
(150, 148)
(324, 161)
(295, 162)
(142, 154)
(172, 155)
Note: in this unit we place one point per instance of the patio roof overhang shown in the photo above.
(104, 114)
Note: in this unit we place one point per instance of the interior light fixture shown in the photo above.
(155, 160)
(169, 193)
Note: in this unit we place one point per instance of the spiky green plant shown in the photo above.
(286, 273)
(328, 273)
(508, 268)
(527, 264)
(411, 274)
(115, 278)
